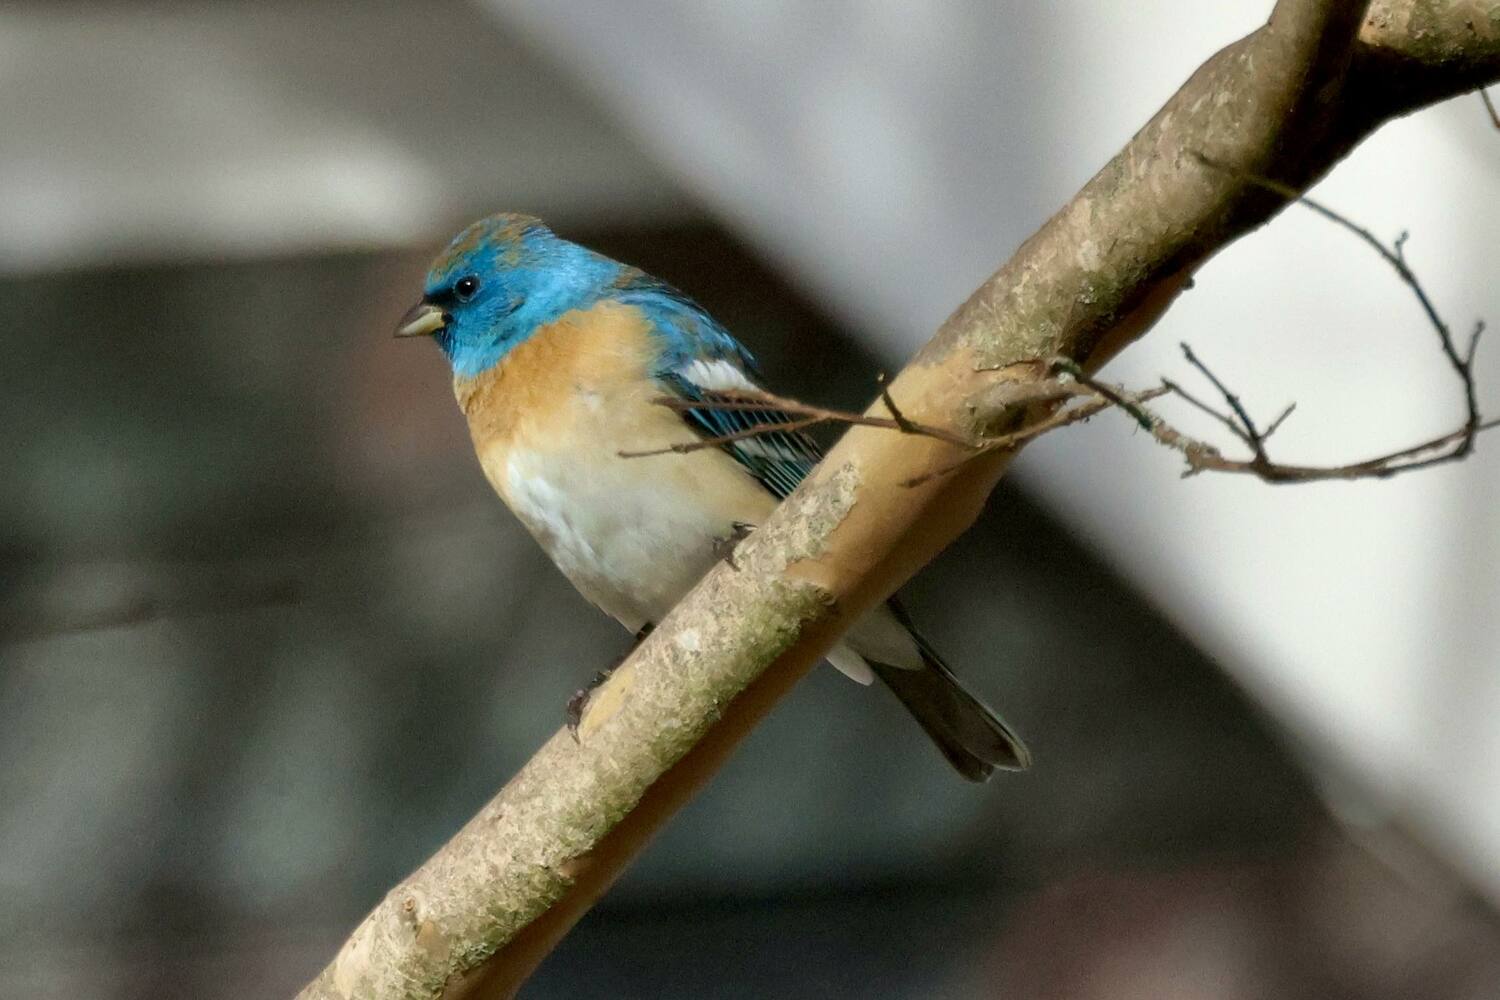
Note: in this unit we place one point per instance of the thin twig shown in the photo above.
(1489, 105)
(1228, 421)
(804, 416)
(808, 417)
(1204, 457)
(1061, 417)
(1207, 459)
(1395, 256)
(1111, 394)
(1251, 434)
(757, 430)
(905, 425)
(1275, 425)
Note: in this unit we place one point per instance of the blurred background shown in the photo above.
(267, 639)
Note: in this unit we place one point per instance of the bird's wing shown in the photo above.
(779, 459)
(701, 362)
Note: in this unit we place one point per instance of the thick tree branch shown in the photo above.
(1285, 102)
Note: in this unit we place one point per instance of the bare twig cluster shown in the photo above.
(1203, 457)
(1070, 396)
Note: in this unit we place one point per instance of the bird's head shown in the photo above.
(496, 283)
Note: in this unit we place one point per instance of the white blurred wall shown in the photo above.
(183, 131)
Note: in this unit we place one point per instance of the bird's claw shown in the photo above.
(573, 712)
(724, 547)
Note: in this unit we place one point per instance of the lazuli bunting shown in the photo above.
(559, 356)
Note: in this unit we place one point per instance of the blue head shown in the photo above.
(497, 282)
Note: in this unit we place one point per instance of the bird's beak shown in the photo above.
(421, 320)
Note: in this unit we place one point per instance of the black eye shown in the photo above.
(466, 288)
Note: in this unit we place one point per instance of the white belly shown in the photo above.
(634, 544)
(633, 535)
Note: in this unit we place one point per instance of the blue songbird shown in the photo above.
(560, 359)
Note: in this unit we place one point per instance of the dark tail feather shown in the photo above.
(971, 736)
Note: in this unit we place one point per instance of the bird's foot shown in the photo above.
(580, 700)
(724, 547)
(573, 712)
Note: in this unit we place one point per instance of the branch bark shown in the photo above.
(1286, 102)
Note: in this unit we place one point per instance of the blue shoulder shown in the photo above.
(700, 361)
(686, 331)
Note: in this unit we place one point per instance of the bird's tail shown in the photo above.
(973, 738)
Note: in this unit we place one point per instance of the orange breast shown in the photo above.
(547, 386)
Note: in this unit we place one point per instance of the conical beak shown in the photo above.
(421, 320)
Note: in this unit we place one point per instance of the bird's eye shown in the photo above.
(466, 288)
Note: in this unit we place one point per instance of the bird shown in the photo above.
(561, 358)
